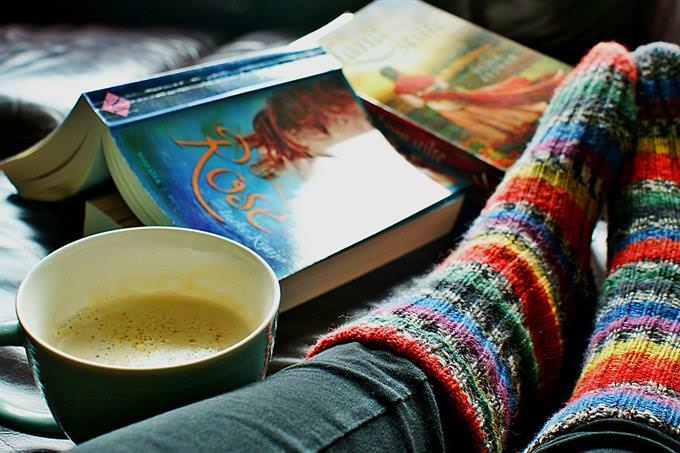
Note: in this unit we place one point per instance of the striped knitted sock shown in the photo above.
(632, 366)
(488, 324)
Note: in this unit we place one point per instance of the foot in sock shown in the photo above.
(491, 324)
(632, 365)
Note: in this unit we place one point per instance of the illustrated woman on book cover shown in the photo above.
(495, 114)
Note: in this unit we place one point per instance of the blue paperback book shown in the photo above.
(272, 150)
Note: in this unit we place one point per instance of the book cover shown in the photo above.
(463, 96)
(282, 158)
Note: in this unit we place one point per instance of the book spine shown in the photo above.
(442, 154)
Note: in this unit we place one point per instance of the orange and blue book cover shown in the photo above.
(460, 95)
(273, 151)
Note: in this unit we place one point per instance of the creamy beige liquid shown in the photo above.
(150, 330)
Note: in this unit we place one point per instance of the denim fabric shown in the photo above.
(349, 398)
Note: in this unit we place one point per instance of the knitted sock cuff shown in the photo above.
(442, 359)
(657, 408)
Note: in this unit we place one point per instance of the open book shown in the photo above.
(460, 96)
(271, 150)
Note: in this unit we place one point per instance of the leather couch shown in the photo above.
(43, 67)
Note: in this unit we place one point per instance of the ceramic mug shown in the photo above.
(88, 398)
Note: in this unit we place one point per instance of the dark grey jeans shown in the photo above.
(348, 398)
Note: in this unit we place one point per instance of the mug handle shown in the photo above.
(29, 421)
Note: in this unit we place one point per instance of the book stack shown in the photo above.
(272, 150)
(276, 151)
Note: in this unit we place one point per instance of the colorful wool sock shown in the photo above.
(632, 365)
(489, 324)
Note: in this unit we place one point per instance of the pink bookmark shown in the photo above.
(116, 104)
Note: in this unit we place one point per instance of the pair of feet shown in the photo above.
(501, 322)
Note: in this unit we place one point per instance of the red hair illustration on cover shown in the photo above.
(301, 122)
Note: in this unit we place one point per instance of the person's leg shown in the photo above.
(628, 394)
(491, 326)
(348, 399)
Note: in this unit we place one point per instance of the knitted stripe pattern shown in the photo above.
(632, 365)
(488, 324)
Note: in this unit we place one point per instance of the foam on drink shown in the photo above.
(150, 330)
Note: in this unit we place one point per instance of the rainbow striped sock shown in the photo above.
(632, 365)
(490, 324)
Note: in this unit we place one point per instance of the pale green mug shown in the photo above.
(87, 398)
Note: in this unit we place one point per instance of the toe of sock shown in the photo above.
(610, 54)
(658, 89)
